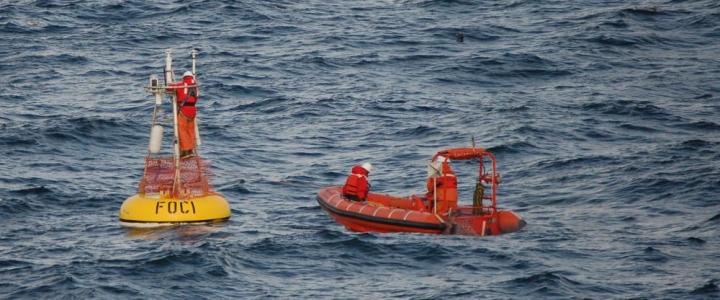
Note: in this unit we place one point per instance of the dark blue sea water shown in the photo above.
(604, 116)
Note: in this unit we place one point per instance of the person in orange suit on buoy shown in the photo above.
(186, 99)
(357, 185)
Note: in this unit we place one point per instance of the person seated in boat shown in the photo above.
(357, 185)
(186, 99)
(441, 185)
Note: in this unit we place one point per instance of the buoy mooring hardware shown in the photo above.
(173, 190)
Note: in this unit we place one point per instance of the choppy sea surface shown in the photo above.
(604, 116)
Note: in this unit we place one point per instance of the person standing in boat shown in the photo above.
(441, 185)
(187, 98)
(357, 184)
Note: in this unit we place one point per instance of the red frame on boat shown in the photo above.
(491, 177)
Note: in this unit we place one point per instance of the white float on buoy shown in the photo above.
(155, 139)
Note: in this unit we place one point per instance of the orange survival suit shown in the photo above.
(444, 188)
(186, 99)
(357, 186)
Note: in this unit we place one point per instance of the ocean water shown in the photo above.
(604, 116)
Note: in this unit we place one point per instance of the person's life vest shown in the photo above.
(187, 97)
(444, 189)
(356, 186)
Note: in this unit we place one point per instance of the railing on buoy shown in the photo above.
(189, 177)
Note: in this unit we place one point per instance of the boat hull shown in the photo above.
(383, 213)
(364, 217)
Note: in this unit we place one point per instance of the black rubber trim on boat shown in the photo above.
(177, 222)
(354, 215)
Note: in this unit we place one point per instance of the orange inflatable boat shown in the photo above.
(437, 211)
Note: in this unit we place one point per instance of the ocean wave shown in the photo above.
(476, 34)
(696, 241)
(650, 254)
(16, 206)
(44, 287)
(444, 3)
(235, 187)
(13, 141)
(38, 190)
(245, 12)
(700, 125)
(530, 73)
(546, 284)
(35, 27)
(642, 11)
(237, 89)
(639, 128)
(701, 21)
(715, 218)
(710, 289)
(627, 108)
(619, 40)
(104, 73)
(516, 147)
(417, 132)
(269, 105)
(545, 279)
(247, 38)
(519, 108)
(512, 66)
(55, 59)
(575, 161)
(695, 144)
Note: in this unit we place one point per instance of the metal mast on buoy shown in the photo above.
(198, 141)
(169, 78)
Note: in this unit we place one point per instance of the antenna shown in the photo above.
(193, 54)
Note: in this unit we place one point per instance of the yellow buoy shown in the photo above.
(151, 210)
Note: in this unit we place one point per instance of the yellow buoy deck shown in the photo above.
(150, 210)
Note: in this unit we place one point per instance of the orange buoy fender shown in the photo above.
(508, 221)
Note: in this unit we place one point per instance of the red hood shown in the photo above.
(359, 170)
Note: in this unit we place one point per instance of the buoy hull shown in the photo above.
(150, 210)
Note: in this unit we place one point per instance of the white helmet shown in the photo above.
(434, 168)
(188, 73)
(367, 166)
